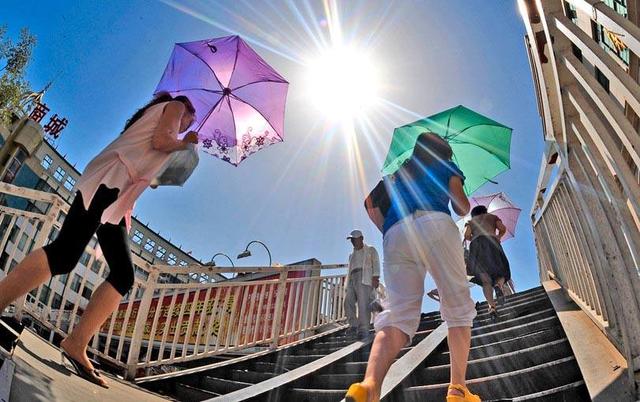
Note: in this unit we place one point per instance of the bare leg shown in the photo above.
(384, 350)
(487, 289)
(459, 339)
(103, 302)
(30, 273)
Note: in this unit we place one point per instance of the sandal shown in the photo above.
(466, 396)
(83, 371)
(357, 393)
(493, 313)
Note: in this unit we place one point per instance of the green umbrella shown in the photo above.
(480, 145)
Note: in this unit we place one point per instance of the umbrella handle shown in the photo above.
(491, 181)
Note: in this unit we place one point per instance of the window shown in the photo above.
(64, 278)
(12, 265)
(171, 260)
(4, 258)
(75, 284)
(619, 6)
(23, 241)
(150, 245)
(602, 79)
(160, 252)
(95, 267)
(6, 221)
(61, 217)
(570, 11)
(85, 258)
(141, 273)
(57, 301)
(69, 183)
(183, 263)
(576, 52)
(137, 237)
(59, 174)
(13, 236)
(68, 306)
(46, 162)
(105, 272)
(87, 290)
(93, 242)
(14, 165)
(53, 234)
(44, 294)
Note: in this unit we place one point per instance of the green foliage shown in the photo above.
(14, 59)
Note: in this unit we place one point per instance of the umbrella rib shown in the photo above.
(235, 129)
(205, 63)
(257, 82)
(209, 114)
(260, 113)
(197, 89)
(235, 61)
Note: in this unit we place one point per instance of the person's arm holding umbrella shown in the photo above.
(501, 228)
(173, 116)
(467, 231)
(459, 200)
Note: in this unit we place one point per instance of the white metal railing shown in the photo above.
(586, 219)
(163, 323)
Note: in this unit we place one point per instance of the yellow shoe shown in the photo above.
(468, 396)
(357, 393)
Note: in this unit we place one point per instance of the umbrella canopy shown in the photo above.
(481, 146)
(497, 204)
(239, 99)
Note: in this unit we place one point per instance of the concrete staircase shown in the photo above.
(523, 356)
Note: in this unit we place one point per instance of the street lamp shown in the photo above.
(213, 263)
(247, 253)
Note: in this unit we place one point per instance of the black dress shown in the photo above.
(487, 256)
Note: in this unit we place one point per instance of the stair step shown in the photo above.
(220, 385)
(508, 385)
(315, 395)
(576, 391)
(500, 364)
(502, 346)
(253, 377)
(185, 392)
(521, 318)
(515, 332)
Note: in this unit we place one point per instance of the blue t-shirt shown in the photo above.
(427, 189)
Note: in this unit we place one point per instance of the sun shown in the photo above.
(342, 82)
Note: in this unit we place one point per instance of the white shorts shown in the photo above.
(425, 241)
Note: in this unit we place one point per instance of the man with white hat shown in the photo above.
(362, 278)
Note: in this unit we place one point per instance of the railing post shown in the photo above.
(277, 319)
(140, 324)
(39, 241)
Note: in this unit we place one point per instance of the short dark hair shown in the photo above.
(431, 147)
(478, 210)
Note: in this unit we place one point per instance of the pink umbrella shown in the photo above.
(501, 206)
(239, 99)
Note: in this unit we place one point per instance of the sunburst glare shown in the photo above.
(342, 82)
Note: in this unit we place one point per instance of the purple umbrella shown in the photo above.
(501, 206)
(239, 99)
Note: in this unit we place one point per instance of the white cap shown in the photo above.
(355, 234)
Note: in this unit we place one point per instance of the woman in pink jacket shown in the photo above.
(106, 194)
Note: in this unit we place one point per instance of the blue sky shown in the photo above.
(300, 197)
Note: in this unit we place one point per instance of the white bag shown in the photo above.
(178, 168)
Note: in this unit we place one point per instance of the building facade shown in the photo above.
(586, 213)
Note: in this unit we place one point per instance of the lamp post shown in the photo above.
(247, 253)
(213, 264)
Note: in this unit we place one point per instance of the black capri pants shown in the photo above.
(77, 230)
